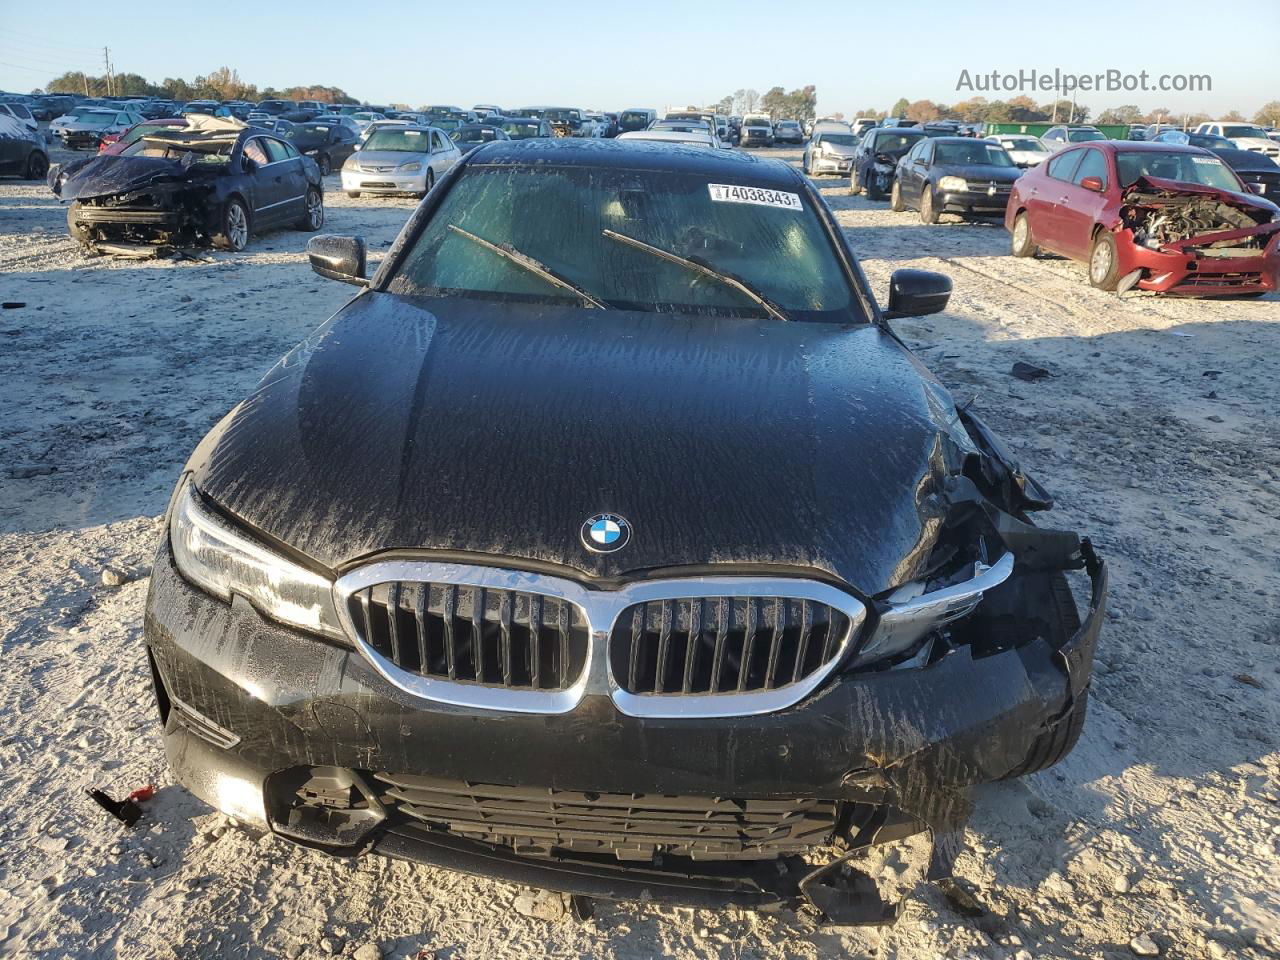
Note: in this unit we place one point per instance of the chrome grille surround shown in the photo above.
(600, 609)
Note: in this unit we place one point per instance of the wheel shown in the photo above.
(872, 188)
(37, 165)
(353, 194)
(322, 162)
(313, 217)
(1057, 741)
(927, 212)
(79, 233)
(431, 181)
(855, 186)
(804, 163)
(234, 234)
(1104, 270)
(1022, 246)
(895, 198)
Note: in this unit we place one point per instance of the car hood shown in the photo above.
(475, 429)
(388, 158)
(978, 171)
(81, 126)
(1254, 143)
(108, 174)
(1246, 201)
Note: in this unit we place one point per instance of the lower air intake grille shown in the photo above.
(491, 637)
(707, 645)
(536, 822)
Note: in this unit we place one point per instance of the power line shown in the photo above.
(63, 63)
(42, 42)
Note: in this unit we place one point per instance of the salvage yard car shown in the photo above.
(84, 129)
(22, 152)
(609, 541)
(1166, 218)
(215, 182)
(1023, 149)
(875, 159)
(328, 145)
(400, 160)
(972, 178)
(829, 150)
(757, 131)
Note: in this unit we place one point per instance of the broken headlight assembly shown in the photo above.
(916, 609)
(223, 562)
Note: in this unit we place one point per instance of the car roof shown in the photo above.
(642, 155)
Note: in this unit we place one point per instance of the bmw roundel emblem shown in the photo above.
(605, 533)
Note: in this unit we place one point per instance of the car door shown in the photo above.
(916, 172)
(444, 153)
(289, 167)
(1080, 208)
(270, 194)
(1047, 195)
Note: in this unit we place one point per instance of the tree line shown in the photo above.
(221, 84)
(1025, 110)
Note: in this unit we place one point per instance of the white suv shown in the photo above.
(1246, 136)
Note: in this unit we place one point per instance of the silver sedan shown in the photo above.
(400, 160)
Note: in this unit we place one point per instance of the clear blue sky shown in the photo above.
(608, 55)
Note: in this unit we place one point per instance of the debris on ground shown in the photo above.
(1028, 371)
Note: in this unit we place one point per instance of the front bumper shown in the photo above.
(1194, 274)
(821, 163)
(977, 203)
(245, 699)
(360, 181)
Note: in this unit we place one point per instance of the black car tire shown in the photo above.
(79, 233)
(855, 187)
(1056, 742)
(235, 229)
(872, 188)
(323, 163)
(1104, 269)
(1020, 238)
(928, 213)
(804, 163)
(313, 213)
(431, 181)
(37, 165)
(895, 198)
(353, 194)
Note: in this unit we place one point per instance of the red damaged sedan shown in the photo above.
(1160, 217)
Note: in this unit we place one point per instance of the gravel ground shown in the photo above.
(1157, 431)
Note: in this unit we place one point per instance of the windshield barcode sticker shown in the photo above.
(1207, 161)
(724, 193)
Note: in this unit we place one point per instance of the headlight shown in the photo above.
(912, 613)
(223, 561)
(411, 167)
(953, 184)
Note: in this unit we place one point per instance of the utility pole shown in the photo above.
(106, 62)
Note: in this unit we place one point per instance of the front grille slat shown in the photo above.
(540, 821)
(482, 636)
(731, 644)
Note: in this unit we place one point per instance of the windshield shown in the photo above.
(1025, 143)
(520, 131)
(558, 216)
(473, 135)
(1080, 136)
(896, 142)
(974, 152)
(398, 140)
(309, 131)
(757, 122)
(213, 151)
(842, 139)
(142, 130)
(446, 123)
(1243, 130)
(630, 120)
(561, 115)
(1185, 167)
(97, 116)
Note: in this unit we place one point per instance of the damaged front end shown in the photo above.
(1190, 239)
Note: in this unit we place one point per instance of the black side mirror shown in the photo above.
(916, 293)
(343, 258)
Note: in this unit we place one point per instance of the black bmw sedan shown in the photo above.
(609, 541)
(954, 175)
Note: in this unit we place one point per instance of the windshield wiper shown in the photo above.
(509, 252)
(701, 266)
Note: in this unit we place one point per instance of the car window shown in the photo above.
(1203, 169)
(275, 149)
(972, 152)
(1094, 164)
(253, 149)
(774, 242)
(1064, 164)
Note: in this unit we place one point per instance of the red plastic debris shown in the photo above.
(143, 794)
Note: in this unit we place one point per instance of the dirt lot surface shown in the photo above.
(1158, 430)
